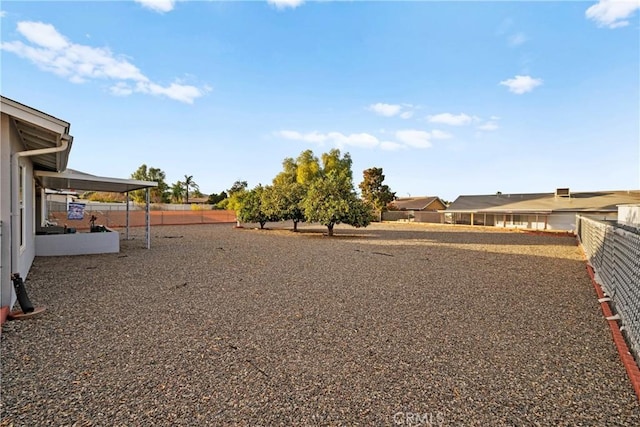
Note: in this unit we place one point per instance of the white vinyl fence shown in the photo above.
(614, 253)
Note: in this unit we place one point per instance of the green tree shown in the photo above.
(237, 187)
(177, 192)
(307, 167)
(236, 193)
(374, 191)
(159, 194)
(215, 198)
(283, 200)
(331, 198)
(331, 162)
(189, 183)
(251, 208)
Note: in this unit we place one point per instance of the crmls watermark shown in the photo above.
(423, 419)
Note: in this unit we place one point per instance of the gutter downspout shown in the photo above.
(15, 187)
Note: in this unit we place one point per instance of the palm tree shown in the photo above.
(189, 182)
(177, 192)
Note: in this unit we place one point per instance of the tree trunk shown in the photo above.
(330, 230)
(295, 226)
(262, 223)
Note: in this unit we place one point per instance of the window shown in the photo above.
(21, 197)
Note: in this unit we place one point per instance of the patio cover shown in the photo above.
(75, 180)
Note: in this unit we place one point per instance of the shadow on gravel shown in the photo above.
(435, 233)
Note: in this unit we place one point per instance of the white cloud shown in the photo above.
(3, 13)
(452, 119)
(121, 89)
(179, 92)
(612, 13)
(387, 110)
(161, 6)
(517, 39)
(404, 111)
(391, 146)
(313, 137)
(51, 51)
(488, 126)
(521, 84)
(283, 4)
(407, 138)
(42, 34)
(438, 134)
(363, 140)
(414, 138)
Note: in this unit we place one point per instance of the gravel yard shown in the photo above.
(395, 324)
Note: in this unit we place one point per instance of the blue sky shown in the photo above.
(449, 98)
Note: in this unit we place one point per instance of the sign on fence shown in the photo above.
(75, 211)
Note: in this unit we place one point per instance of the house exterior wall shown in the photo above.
(562, 221)
(554, 221)
(522, 221)
(629, 215)
(5, 211)
(436, 205)
(10, 144)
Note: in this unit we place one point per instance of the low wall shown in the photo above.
(416, 216)
(77, 244)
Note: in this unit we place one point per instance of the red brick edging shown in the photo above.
(623, 350)
(4, 313)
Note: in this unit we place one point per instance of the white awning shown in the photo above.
(75, 180)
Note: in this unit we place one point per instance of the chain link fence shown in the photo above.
(114, 215)
(614, 253)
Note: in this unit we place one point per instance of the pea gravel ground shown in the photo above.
(388, 325)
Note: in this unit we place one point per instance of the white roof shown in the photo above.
(75, 180)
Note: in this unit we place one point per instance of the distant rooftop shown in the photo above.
(595, 201)
(416, 203)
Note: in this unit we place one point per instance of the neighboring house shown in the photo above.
(539, 211)
(418, 209)
(432, 204)
(34, 150)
